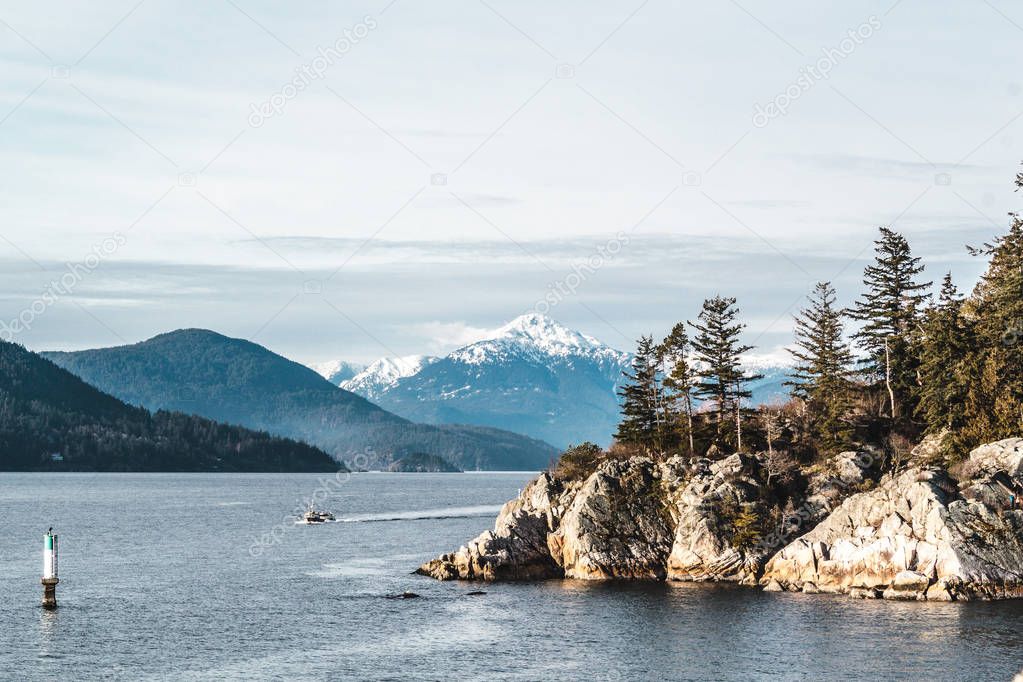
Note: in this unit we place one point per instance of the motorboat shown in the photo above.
(313, 515)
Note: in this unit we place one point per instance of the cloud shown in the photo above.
(443, 337)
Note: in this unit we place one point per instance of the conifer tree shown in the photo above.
(823, 368)
(890, 310)
(945, 373)
(995, 403)
(641, 399)
(721, 377)
(679, 383)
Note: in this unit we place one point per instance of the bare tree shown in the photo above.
(779, 464)
(770, 418)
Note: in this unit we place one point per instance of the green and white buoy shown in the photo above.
(50, 579)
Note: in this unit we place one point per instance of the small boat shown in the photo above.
(314, 516)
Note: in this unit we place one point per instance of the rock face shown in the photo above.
(632, 519)
(702, 549)
(616, 525)
(517, 547)
(919, 535)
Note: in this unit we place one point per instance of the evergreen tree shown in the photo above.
(945, 373)
(822, 370)
(890, 311)
(641, 399)
(721, 378)
(679, 382)
(995, 402)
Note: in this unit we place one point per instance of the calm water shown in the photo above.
(160, 579)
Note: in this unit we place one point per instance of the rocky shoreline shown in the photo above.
(922, 534)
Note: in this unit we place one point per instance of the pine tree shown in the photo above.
(721, 377)
(890, 311)
(641, 399)
(679, 382)
(945, 374)
(821, 376)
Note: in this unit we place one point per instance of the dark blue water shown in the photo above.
(180, 577)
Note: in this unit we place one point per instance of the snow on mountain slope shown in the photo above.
(384, 373)
(337, 371)
(775, 368)
(535, 337)
(532, 375)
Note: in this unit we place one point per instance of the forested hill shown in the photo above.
(236, 381)
(52, 420)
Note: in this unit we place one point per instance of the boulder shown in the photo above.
(1004, 456)
(908, 585)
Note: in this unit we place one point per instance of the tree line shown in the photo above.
(913, 365)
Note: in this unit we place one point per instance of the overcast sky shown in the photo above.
(350, 180)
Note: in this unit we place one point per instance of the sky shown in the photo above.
(359, 179)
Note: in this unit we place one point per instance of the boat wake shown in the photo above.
(445, 513)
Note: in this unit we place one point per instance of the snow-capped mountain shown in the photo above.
(384, 373)
(533, 376)
(337, 371)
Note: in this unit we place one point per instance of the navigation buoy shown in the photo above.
(50, 579)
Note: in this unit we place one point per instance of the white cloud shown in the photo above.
(443, 337)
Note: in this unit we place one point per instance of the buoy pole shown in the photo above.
(50, 579)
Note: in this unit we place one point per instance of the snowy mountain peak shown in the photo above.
(534, 335)
(543, 330)
(336, 371)
(386, 372)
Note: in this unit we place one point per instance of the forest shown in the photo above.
(897, 365)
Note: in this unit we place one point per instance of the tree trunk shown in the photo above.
(689, 417)
(888, 376)
(738, 419)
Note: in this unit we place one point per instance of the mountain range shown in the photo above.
(235, 381)
(533, 376)
(50, 420)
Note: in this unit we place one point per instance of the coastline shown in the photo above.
(921, 534)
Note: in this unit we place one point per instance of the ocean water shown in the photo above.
(204, 577)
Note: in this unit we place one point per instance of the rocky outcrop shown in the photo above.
(517, 547)
(631, 519)
(704, 546)
(919, 535)
(616, 525)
